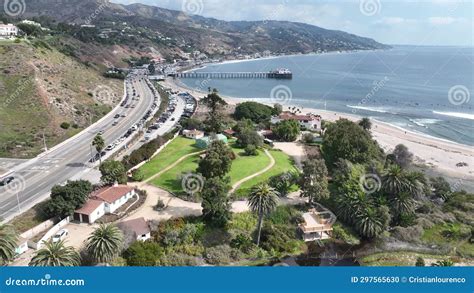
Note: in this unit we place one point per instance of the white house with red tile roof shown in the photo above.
(309, 121)
(104, 201)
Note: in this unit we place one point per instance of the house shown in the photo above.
(103, 201)
(90, 212)
(309, 121)
(204, 142)
(317, 224)
(138, 228)
(193, 134)
(230, 133)
(8, 30)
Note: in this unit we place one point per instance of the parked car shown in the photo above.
(6, 181)
(61, 235)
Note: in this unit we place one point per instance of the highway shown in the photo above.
(70, 160)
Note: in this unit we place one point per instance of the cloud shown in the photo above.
(442, 20)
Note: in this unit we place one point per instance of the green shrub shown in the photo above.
(178, 260)
(137, 175)
(251, 150)
(285, 215)
(221, 255)
(65, 125)
(278, 238)
(242, 242)
(345, 234)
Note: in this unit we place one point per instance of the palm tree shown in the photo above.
(369, 223)
(8, 238)
(263, 200)
(99, 145)
(395, 180)
(403, 204)
(105, 243)
(56, 254)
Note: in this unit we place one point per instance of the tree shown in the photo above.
(192, 123)
(143, 254)
(277, 109)
(105, 243)
(253, 111)
(251, 150)
(372, 221)
(99, 144)
(217, 162)
(68, 198)
(56, 254)
(402, 156)
(284, 182)
(263, 200)
(249, 137)
(287, 130)
(313, 181)
(441, 188)
(113, 171)
(420, 262)
(366, 124)
(8, 238)
(308, 138)
(214, 102)
(215, 201)
(347, 140)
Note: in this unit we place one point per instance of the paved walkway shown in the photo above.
(240, 182)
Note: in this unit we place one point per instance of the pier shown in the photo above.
(277, 74)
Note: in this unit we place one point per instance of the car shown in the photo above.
(115, 123)
(117, 116)
(101, 132)
(6, 181)
(61, 235)
(123, 115)
(173, 119)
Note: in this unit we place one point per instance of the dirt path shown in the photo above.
(170, 167)
(240, 182)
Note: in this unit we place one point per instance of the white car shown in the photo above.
(61, 235)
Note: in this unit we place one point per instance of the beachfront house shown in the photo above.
(308, 121)
(317, 224)
(104, 201)
(137, 228)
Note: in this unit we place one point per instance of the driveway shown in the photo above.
(78, 234)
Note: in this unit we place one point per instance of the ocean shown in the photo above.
(421, 89)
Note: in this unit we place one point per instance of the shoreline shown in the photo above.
(437, 154)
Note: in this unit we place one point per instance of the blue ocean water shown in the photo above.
(421, 89)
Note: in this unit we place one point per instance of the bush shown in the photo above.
(251, 150)
(137, 175)
(143, 254)
(254, 111)
(178, 260)
(345, 234)
(65, 125)
(278, 238)
(221, 255)
(242, 242)
(420, 262)
(285, 215)
(308, 138)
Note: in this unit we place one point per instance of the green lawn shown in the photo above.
(242, 167)
(283, 163)
(396, 259)
(456, 235)
(176, 149)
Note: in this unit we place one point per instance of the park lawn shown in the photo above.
(171, 153)
(243, 166)
(458, 239)
(283, 163)
(397, 259)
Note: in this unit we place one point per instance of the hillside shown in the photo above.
(40, 89)
(174, 33)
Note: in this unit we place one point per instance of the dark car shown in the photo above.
(6, 181)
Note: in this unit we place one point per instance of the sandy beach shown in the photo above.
(440, 155)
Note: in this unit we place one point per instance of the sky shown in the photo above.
(408, 22)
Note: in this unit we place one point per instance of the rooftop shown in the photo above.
(138, 226)
(89, 207)
(292, 116)
(112, 193)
